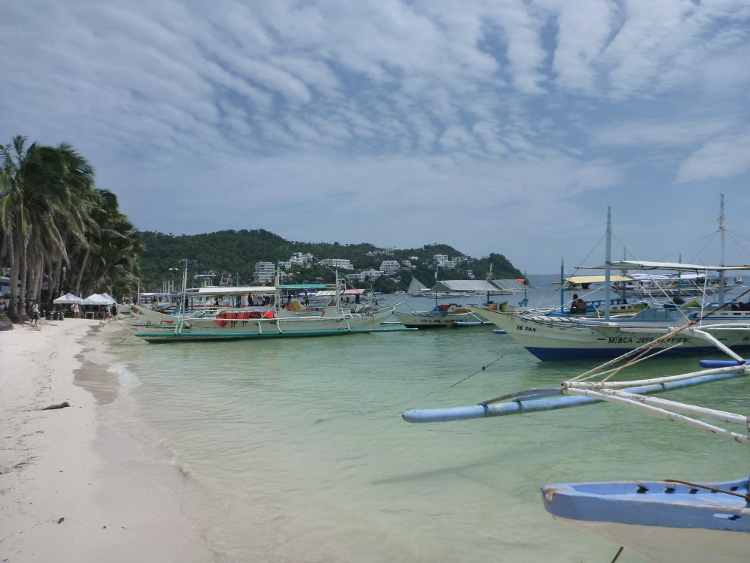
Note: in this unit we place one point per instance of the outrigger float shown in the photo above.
(666, 521)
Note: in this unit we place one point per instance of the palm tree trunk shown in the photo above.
(55, 278)
(33, 276)
(23, 272)
(15, 254)
(80, 273)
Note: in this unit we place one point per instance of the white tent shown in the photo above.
(67, 299)
(97, 299)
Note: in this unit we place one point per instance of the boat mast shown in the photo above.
(338, 293)
(437, 266)
(608, 266)
(562, 285)
(722, 223)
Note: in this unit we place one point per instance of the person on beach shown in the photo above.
(114, 311)
(34, 312)
(74, 310)
(2, 306)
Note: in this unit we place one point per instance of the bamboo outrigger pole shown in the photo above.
(535, 400)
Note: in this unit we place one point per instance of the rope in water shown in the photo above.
(483, 368)
(713, 489)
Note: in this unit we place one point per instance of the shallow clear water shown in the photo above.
(295, 450)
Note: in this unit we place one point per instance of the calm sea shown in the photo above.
(295, 450)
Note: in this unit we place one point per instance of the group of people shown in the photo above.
(35, 310)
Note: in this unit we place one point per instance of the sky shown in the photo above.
(505, 126)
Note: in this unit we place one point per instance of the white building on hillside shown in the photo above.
(389, 267)
(299, 259)
(264, 271)
(363, 276)
(337, 263)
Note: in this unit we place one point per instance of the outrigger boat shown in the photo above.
(275, 318)
(456, 314)
(670, 521)
(566, 338)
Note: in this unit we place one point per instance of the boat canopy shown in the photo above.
(303, 286)
(331, 293)
(509, 284)
(238, 290)
(641, 265)
(469, 286)
(578, 280)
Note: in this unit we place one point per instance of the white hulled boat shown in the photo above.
(270, 315)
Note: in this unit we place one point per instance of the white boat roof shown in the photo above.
(508, 284)
(331, 292)
(595, 279)
(478, 285)
(238, 290)
(643, 265)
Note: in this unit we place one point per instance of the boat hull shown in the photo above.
(214, 329)
(567, 339)
(664, 522)
(432, 319)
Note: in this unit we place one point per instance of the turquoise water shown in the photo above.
(295, 450)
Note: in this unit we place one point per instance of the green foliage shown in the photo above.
(235, 253)
(57, 231)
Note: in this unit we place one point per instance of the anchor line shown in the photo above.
(712, 489)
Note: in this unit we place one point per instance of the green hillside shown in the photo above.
(236, 252)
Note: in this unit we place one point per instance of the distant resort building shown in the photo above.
(264, 271)
(337, 263)
(363, 276)
(389, 267)
(299, 259)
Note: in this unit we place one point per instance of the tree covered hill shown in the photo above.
(236, 253)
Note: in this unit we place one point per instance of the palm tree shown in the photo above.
(108, 256)
(45, 196)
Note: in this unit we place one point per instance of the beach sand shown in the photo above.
(71, 488)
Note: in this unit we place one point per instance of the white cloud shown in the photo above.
(518, 105)
(726, 156)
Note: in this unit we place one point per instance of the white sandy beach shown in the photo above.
(71, 488)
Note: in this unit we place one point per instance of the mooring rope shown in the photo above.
(483, 368)
(713, 489)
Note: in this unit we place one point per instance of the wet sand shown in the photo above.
(71, 488)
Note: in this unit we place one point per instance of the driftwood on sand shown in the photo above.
(52, 407)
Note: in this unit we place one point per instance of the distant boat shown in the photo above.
(441, 316)
(416, 287)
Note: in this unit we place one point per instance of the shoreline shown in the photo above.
(72, 488)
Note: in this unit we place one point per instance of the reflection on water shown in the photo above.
(295, 450)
